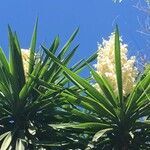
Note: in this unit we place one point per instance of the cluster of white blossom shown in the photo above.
(106, 65)
(25, 59)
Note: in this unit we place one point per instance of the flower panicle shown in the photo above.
(106, 65)
(26, 59)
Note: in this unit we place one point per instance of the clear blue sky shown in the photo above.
(96, 19)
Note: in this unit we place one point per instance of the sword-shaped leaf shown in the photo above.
(118, 66)
(32, 48)
(3, 60)
(16, 64)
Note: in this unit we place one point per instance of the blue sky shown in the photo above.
(96, 19)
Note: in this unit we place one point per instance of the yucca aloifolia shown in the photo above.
(30, 99)
(111, 119)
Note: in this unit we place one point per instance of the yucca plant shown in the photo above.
(31, 100)
(107, 119)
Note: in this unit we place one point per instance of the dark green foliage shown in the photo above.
(56, 109)
(29, 104)
(114, 122)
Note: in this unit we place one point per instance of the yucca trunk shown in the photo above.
(125, 145)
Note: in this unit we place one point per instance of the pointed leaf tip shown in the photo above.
(33, 47)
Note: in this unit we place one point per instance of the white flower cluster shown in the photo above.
(25, 58)
(106, 65)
